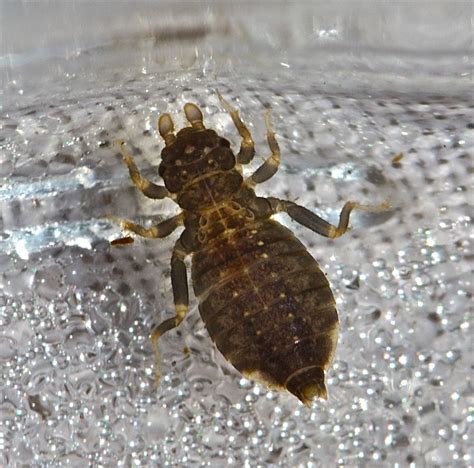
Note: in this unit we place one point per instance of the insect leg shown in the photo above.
(271, 164)
(194, 115)
(179, 282)
(166, 129)
(147, 187)
(312, 221)
(247, 147)
(162, 229)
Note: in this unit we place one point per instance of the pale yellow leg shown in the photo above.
(179, 281)
(147, 187)
(247, 147)
(272, 163)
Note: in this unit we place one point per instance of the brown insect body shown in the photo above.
(265, 302)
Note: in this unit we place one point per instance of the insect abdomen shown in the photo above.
(268, 307)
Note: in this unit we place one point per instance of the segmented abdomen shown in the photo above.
(268, 307)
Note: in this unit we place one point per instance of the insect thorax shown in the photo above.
(199, 167)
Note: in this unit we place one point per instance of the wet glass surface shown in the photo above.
(77, 379)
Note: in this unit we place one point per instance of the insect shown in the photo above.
(266, 304)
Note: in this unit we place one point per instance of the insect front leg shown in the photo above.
(179, 282)
(148, 188)
(319, 225)
(247, 147)
(162, 229)
(272, 163)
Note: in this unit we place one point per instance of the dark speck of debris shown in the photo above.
(397, 160)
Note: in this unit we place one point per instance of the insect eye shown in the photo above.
(212, 163)
(184, 175)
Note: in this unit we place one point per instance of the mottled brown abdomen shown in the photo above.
(268, 306)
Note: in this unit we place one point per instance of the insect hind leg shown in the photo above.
(179, 282)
